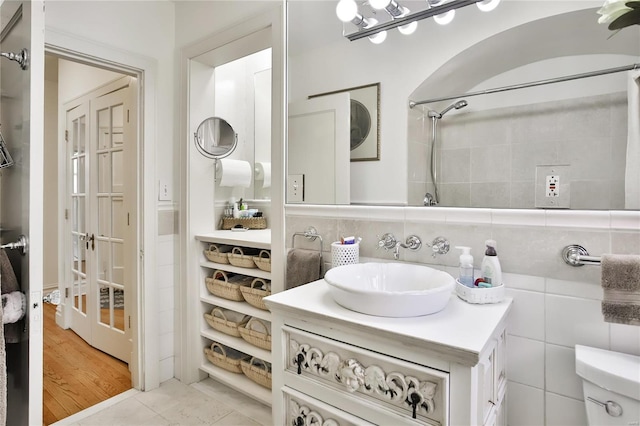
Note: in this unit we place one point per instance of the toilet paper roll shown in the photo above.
(233, 173)
(263, 172)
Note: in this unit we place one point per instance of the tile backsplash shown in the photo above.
(555, 305)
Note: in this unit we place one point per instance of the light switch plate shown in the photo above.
(295, 188)
(164, 190)
(553, 186)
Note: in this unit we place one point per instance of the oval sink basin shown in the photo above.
(390, 289)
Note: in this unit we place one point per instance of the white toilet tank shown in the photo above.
(611, 386)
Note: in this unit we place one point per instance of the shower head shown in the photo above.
(458, 105)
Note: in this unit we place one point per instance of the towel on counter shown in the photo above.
(303, 266)
(620, 280)
(13, 333)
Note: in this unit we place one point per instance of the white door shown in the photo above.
(101, 153)
(319, 150)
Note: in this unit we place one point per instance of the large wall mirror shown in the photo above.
(494, 150)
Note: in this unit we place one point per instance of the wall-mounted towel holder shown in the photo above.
(576, 255)
(310, 234)
(22, 244)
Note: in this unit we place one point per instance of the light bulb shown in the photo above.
(378, 38)
(445, 18)
(379, 4)
(409, 28)
(487, 5)
(346, 10)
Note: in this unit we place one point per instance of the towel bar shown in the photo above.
(310, 234)
(576, 255)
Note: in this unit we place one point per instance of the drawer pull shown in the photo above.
(299, 361)
(415, 401)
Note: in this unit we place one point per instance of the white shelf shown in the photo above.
(239, 382)
(237, 343)
(256, 238)
(251, 272)
(242, 307)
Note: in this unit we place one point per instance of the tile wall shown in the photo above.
(489, 158)
(556, 306)
(166, 261)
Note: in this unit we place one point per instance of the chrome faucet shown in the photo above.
(389, 242)
(429, 200)
(439, 245)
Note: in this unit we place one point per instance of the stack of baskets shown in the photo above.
(257, 333)
(238, 362)
(227, 285)
(218, 253)
(227, 321)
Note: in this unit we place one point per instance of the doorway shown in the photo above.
(90, 141)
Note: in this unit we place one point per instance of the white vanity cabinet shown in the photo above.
(259, 239)
(349, 368)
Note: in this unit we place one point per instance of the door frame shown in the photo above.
(145, 365)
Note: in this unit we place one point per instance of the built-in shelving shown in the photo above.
(258, 239)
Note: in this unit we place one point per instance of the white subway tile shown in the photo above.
(563, 411)
(165, 299)
(328, 211)
(164, 251)
(627, 220)
(625, 338)
(166, 369)
(525, 405)
(525, 361)
(521, 217)
(574, 288)
(425, 214)
(467, 216)
(578, 219)
(526, 318)
(523, 282)
(571, 320)
(560, 372)
(371, 213)
(166, 322)
(166, 346)
(165, 276)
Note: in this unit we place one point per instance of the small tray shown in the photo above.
(480, 295)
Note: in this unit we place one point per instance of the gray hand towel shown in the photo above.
(9, 284)
(303, 266)
(620, 280)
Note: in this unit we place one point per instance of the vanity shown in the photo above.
(333, 366)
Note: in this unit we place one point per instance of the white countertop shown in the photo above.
(258, 238)
(461, 330)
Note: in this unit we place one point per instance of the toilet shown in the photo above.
(611, 386)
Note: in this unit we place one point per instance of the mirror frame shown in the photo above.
(209, 154)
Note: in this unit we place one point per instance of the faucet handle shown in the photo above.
(386, 241)
(439, 245)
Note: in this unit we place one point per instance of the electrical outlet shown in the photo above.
(295, 189)
(553, 186)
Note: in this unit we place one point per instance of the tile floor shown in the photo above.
(174, 403)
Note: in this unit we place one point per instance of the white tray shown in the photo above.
(480, 295)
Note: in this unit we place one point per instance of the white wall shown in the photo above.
(400, 64)
(50, 176)
(144, 29)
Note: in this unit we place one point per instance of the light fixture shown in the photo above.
(400, 17)
(443, 18)
(487, 5)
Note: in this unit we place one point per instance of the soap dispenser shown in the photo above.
(491, 270)
(466, 266)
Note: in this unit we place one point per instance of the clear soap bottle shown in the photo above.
(466, 266)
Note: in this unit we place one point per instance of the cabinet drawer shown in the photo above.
(302, 410)
(359, 379)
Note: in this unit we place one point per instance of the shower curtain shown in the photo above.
(632, 172)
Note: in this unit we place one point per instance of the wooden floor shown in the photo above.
(76, 376)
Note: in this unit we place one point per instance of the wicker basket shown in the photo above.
(257, 333)
(227, 321)
(253, 294)
(226, 285)
(237, 257)
(218, 254)
(247, 222)
(257, 370)
(263, 260)
(225, 357)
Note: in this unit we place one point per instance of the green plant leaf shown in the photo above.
(630, 18)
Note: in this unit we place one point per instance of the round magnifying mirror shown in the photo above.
(215, 138)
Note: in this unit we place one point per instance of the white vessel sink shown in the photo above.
(390, 289)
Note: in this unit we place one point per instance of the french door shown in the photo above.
(100, 145)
